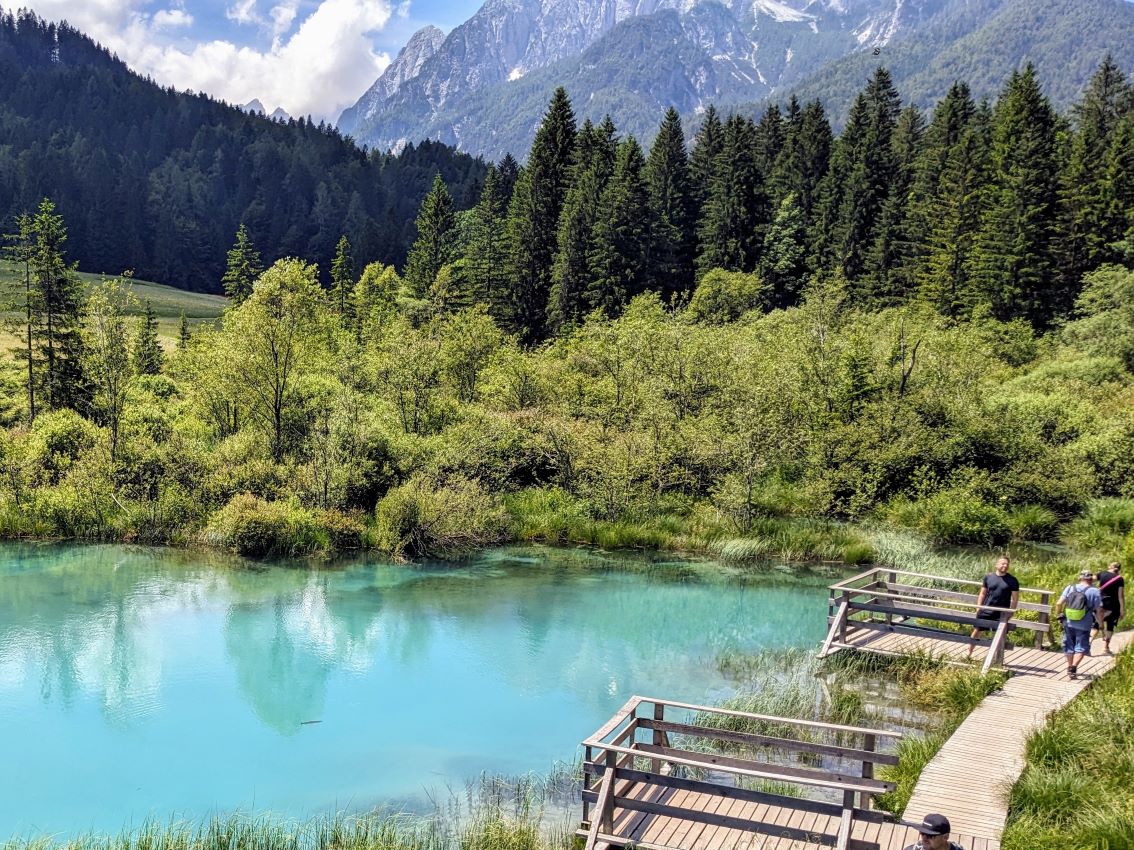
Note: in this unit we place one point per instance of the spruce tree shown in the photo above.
(1088, 226)
(891, 262)
(533, 217)
(433, 247)
(783, 264)
(622, 238)
(1120, 189)
(1015, 258)
(805, 157)
(244, 267)
(707, 145)
(57, 297)
(148, 356)
(342, 281)
(183, 334)
(509, 171)
(487, 251)
(735, 218)
(671, 206)
(769, 139)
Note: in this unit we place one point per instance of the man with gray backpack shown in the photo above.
(1079, 609)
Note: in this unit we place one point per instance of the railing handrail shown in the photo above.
(885, 594)
(791, 721)
(742, 771)
(842, 585)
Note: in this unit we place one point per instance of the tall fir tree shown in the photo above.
(784, 261)
(734, 220)
(1015, 257)
(436, 233)
(533, 217)
(1120, 189)
(343, 276)
(804, 158)
(622, 238)
(707, 146)
(147, 356)
(183, 333)
(1088, 227)
(769, 138)
(891, 262)
(671, 208)
(243, 267)
(509, 171)
(487, 252)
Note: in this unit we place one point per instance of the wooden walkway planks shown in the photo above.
(971, 776)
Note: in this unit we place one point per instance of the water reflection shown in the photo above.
(148, 669)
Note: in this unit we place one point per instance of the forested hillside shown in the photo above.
(157, 181)
(924, 321)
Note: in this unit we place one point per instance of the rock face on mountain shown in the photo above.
(484, 86)
(407, 65)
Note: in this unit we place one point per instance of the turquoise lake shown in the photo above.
(144, 684)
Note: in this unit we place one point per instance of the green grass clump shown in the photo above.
(249, 525)
(914, 753)
(1077, 789)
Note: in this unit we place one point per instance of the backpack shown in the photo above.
(1074, 604)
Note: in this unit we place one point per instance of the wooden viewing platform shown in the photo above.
(665, 775)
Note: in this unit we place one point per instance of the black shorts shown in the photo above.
(1112, 618)
(987, 615)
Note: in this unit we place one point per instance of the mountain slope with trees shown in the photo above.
(158, 181)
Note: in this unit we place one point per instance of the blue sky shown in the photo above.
(311, 57)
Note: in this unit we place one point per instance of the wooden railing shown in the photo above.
(890, 600)
(678, 753)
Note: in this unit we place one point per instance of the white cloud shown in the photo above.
(323, 67)
(243, 12)
(172, 18)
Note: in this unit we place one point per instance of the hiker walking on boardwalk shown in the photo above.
(1000, 589)
(933, 834)
(1112, 588)
(1079, 608)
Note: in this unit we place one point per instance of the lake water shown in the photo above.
(139, 683)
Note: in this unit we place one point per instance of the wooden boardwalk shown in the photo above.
(970, 777)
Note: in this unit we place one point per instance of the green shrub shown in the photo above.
(425, 517)
(953, 516)
(56, 441)
(722, 296)
(1031, 522)
(251, 526)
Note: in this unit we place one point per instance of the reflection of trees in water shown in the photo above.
(91, 621)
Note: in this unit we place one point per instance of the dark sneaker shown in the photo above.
(1072, 672)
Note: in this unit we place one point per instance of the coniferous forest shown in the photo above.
(157, 181)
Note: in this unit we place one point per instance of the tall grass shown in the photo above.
(1077, 789)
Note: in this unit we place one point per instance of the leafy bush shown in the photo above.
(723, 296)
(1031, 522)
(56, 440)
(249, 525)
(953, 516)
(426, 517)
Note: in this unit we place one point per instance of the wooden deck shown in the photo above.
(970, 777)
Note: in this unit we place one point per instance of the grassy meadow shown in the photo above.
(167, 302)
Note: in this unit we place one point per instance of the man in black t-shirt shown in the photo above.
(1000, 589)
(1112, 586)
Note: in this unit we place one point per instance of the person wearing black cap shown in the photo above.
(933, 834)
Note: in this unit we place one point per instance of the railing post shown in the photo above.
(846, 616)
(588, 755)
(891, 577)
(1045, 618)
(869, 742)
(606, 817)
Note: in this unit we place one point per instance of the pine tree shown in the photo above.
(735, 218)
(1015, 259)
(1120, 188)
(622, 239)
(668, 180)
(433, 247)
(183, 334)
(769, 139)
(487, 251)
(148, 355)
(707, 146)
(953, 218)
(533, 217)
(1088, 226)
(509, 171)
(244, 267)
(57, 313)
(783, 264)
(343, 276)
(805, 157)
(891, 262)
